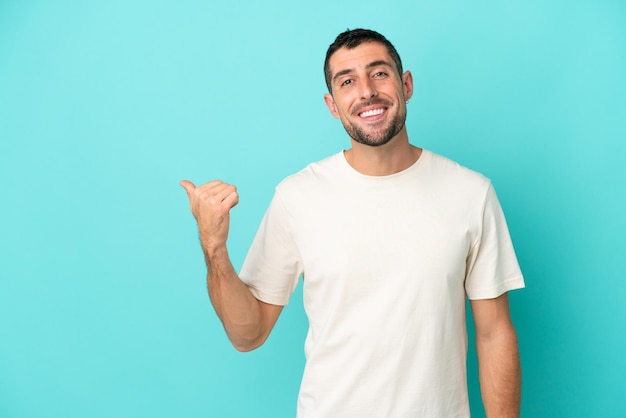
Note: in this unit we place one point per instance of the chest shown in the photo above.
(370, 235)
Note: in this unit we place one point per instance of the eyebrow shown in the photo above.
(368, 66)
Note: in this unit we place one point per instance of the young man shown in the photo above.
(390, 239)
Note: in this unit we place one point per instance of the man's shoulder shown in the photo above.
(447, 169)
(449, 179)
(317, 172)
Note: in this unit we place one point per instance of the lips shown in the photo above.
(372, 112)
(372, 108)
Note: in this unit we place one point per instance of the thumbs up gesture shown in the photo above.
(210, 204)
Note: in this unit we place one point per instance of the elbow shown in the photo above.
(244, 345)
(245, 348)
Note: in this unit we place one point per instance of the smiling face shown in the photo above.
(368, 94)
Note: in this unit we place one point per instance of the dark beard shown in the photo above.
(376, 139)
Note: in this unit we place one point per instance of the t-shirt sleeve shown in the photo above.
(273, 265)
(492, 267)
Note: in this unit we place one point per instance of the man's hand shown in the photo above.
(247, 321)
(210, 204)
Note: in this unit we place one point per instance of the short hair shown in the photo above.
(351, 39)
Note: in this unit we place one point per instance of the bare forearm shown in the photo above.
(240, 312)
(500, 375)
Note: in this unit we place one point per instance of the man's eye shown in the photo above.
(346, 82)
(380, 74)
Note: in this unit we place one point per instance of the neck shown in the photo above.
(391, 158)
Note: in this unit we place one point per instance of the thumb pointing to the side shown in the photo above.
(188, 186)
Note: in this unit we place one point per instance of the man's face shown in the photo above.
(368, 95)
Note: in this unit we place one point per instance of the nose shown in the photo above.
(368, 89)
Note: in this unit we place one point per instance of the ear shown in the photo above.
(330, 103)
(407, 85)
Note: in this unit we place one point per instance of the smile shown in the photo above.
(372, 112)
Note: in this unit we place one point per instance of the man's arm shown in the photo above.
(247, 320)
(498, 357)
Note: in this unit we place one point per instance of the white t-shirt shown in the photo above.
(387, 262)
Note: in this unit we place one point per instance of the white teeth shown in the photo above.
(372, 112)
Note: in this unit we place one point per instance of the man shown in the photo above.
(390, 239)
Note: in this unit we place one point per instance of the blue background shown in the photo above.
(105, 106)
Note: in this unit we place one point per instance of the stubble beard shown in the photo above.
(376, 138)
